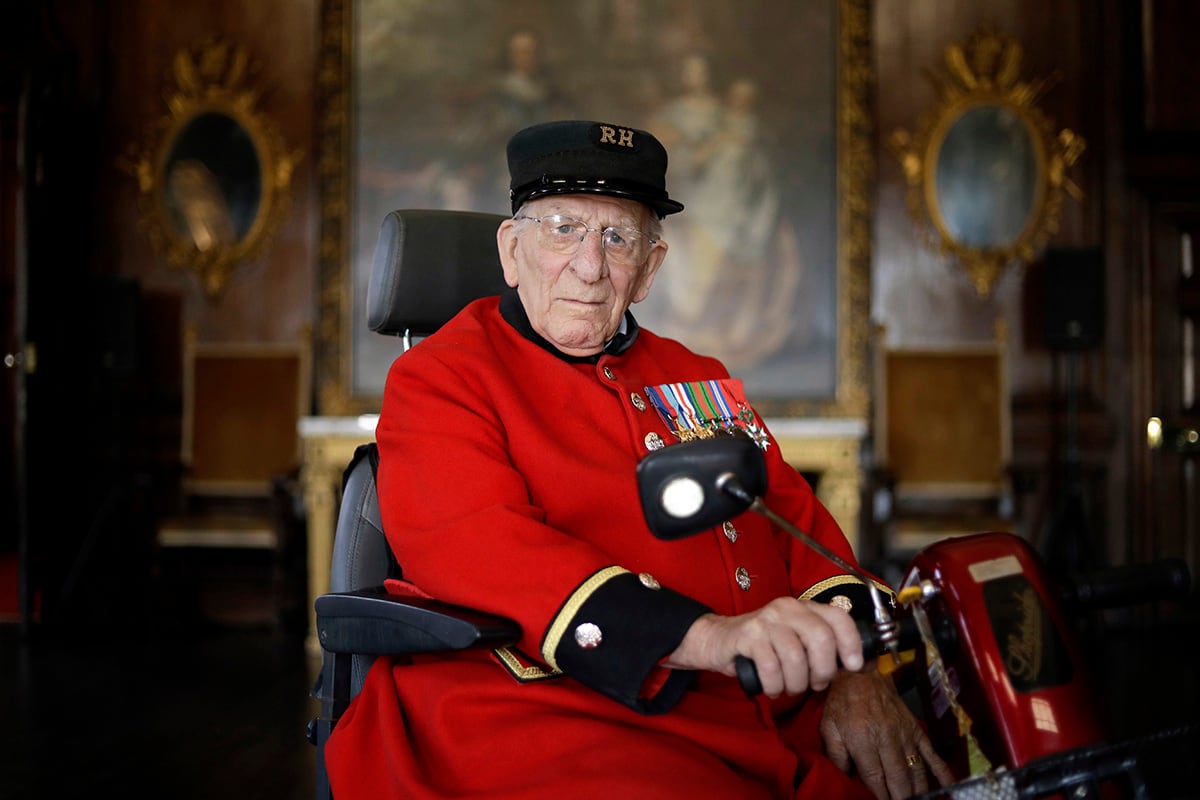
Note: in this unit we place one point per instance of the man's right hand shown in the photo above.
(795, 645)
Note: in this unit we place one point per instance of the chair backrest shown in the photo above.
(242, 406)
(361, 555)
(428, 265)
(943, 418)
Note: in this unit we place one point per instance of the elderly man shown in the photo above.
(508, 447)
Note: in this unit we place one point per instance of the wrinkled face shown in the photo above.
(576, 301)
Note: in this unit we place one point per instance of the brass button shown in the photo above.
(742, 576)
(649, 581)
(637, 401)
(608, 373)
(588, 635)
(653, 441)
(842, 602)
(730, 532)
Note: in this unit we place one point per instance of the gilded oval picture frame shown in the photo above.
(986, 170)
(213, 173)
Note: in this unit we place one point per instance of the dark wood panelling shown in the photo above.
(271, 299)
(1170, 70)
(1128, 84)
(922, 297)
(96, 72)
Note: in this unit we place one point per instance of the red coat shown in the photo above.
(507, 483)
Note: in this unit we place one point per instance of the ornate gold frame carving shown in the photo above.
(982, 73)
(855, 177)
(212, 81)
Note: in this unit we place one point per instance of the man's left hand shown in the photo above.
(867, 728)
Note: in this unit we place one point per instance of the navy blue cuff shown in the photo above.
(614, 631)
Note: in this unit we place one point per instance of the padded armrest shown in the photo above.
(373, 622)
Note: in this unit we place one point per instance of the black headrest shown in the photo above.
(428, 265)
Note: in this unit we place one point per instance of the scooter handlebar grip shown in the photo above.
(1167, 579)
(747, 675)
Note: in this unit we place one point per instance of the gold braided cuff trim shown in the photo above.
(842, 580)
(520, 670)
(558, 627)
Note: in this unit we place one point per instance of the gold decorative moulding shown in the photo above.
(213, 173)
(986, 169)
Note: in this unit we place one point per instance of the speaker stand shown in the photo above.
(1067, 546)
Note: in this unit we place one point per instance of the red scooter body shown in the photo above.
(1006, 647)
(1016, 671)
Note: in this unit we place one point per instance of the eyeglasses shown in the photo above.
(623, 246)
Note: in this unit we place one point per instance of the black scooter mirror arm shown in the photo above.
(886, 629)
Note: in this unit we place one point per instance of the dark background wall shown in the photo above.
(83, 85)
(83, 79)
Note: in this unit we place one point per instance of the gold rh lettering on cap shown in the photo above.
(609, 136)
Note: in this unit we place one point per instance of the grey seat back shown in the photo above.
(361, 556)
(428, 265)
(360, 551)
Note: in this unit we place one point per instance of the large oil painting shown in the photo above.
(761, 106)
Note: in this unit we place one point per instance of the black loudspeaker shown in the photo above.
(1073, 298)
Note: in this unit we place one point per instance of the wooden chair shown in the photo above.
(240, 456)
(942, 433)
